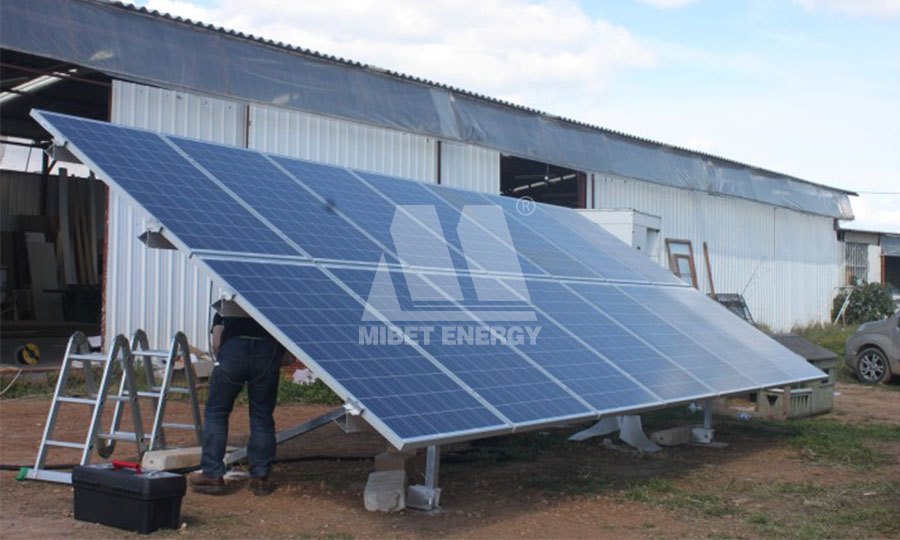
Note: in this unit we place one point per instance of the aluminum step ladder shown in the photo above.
(158, 391)
(78, 350)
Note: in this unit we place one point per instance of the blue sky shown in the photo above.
(806, 87)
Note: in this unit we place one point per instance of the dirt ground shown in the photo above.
(537, 485)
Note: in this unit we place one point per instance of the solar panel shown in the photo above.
(534, 249)
(169, 188)
(315, 224)
(408, 393)
(440, 314)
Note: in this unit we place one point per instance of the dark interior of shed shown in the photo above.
(543, 182)
(52, 243)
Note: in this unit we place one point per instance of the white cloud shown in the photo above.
(518, 50)
(871, 8)
(876, 213)
(667, 4)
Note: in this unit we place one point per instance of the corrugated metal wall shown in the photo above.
(163, 291)
(328, 140)
(470, 167)
(786, 263)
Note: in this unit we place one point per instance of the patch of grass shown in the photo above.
(650, 491)
(829, 336)
(821, 439)
(841, 443)
(864, 509)
(662, 492)
(316, 393)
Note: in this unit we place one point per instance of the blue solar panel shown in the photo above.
(646, 365)
(400, 387)
(771, 358)
(505, 379)
(539, 223)
(759, 369)
(569, 359)
(172, 190)
(611, 246)
(696, 360)
(533, 249)
(310, 222)
(472, 247)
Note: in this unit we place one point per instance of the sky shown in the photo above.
(810, 88)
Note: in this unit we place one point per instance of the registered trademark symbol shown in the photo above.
(526, 205)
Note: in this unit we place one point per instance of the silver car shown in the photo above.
(873, 352)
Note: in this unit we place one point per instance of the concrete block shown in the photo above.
(702, 435)
(386, 491)
(672, 436)
(171, 459)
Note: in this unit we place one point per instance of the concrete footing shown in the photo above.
(386, 491)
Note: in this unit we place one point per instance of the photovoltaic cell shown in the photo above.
(569, 360)
(312, 223)
(766, 350)
(715, 372)
(628, 352)
(172, 190)
(496, 372)
(538, 223)
(533, 250)
(403, 389)
(601, 240)
(481, 252)
(758, 369)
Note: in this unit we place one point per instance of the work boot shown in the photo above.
(260, 486)
(207, 485)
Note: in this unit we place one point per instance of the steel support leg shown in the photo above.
(427, 496)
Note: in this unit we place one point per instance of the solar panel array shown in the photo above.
(323, 255)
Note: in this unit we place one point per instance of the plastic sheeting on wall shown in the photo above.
(135, 44)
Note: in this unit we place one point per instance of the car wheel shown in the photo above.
(872, 366)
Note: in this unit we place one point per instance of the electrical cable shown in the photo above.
(12, 381)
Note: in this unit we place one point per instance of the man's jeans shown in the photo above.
(257, 363)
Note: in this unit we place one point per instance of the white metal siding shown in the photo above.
(338, 142)
(470, 167)
(161, 291)
(874, 275)
(786, 263)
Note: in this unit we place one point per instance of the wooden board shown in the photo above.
(42, 266)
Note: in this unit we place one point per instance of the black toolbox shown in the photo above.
(120, 495)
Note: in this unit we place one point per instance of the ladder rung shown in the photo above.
(91, 357)
(115, 397)
(70, 399)
(173, 389)
(120, 436)
(61, 477)
(148, 394)
(174, 425)
(153, 354)
(65, 444)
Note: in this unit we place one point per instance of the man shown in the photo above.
(245, 354)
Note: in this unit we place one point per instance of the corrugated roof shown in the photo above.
(88, 32)
(454, 89)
